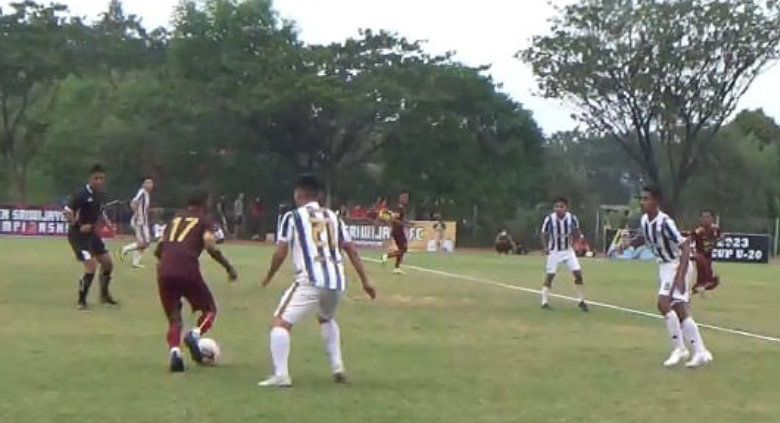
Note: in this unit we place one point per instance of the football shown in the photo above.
(210, 350)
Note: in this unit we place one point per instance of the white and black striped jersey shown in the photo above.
(315, 235)
(662, 236)
(560, 231)
(141, 211)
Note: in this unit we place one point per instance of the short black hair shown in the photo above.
(147, 178)
(198, 197)
(309, 184)
(97, 168)
(561, 199)
(654, 191)
(707, 211)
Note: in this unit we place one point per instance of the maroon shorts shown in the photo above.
(401, 242)
(193, 289)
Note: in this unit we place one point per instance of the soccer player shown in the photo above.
(83, 212)
(317, 238)
(705, 238)
(674, 272)
(559, 231)
(398, 233)
(140, 222)
(178, 275)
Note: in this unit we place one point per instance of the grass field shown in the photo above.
(430, 349)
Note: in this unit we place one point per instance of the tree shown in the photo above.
(660, 78)
(36, 51)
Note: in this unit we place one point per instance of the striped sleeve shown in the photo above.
(284, 233)
(343, 232)
(575, 223)
(546, 225)
(138, 196)
(671, 232)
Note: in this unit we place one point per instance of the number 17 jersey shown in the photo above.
(315, 236)
(182, 245)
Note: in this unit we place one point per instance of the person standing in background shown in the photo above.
(238, 215)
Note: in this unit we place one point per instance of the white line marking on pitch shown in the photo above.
(590, 302)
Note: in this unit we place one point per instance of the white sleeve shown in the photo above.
(545, 225)
(671, 231)
(284, 233)
(343, 232)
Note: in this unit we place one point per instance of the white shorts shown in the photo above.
(300, 300)
(555, 258)
(142, 233)
(666, 275)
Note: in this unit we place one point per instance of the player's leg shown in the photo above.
(551, 269)
(106, 270)
(331, 333)
(199, 296)
(81, 250)
(170, 299)
(403, 247)
(690, 330)
(296, 303)
(579, 283)
(143, 238)
(667, 273)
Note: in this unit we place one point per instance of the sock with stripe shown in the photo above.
(280, 350)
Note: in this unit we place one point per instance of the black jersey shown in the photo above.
(86, 205)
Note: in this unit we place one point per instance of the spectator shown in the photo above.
(238, 215)
(504, 243)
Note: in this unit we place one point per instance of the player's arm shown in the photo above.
(71, 209)
(158, 250)
(576, 231)
(348, 247)
(210, 244)
(682, 269)
(543, 235)
(283, 238)
(277, 260)
(354, 258)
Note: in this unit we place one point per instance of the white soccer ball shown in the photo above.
(210, 350)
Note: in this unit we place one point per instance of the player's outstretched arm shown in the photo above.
(210, 242)
(276, 263)
(354, 258)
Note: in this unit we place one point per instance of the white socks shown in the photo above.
(580, 292)
(691, 332)
(280, 350)
(137, 258)
(129, 247)
(331, 334)
(545, 294)
(675, 331)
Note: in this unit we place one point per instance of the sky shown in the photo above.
(484, 32)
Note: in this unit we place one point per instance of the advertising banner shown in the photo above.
(423, 236)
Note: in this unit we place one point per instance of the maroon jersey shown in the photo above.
(706, 239)
(182, 244)
(398, 219)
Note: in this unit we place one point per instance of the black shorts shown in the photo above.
(86, 246)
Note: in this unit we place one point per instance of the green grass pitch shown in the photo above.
(430, 349)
